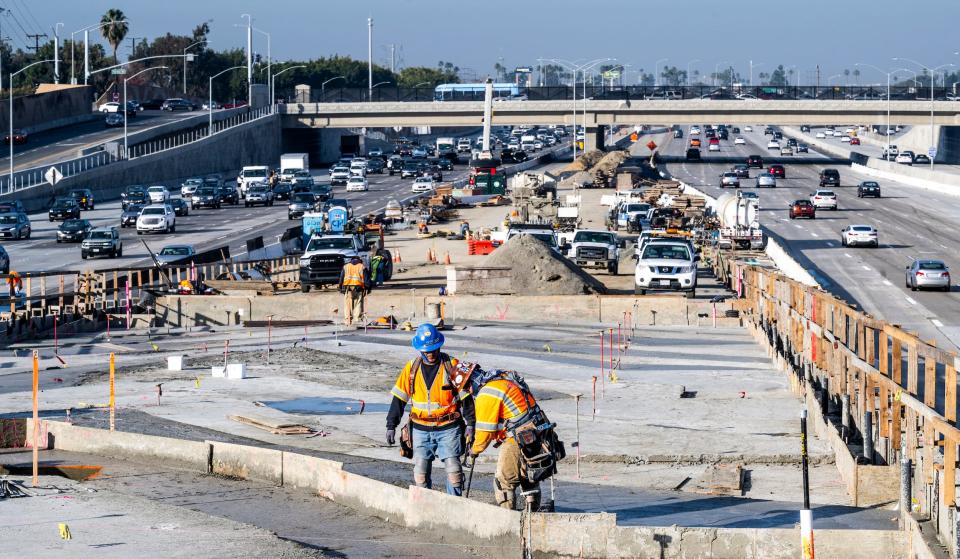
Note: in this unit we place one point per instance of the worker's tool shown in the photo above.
(473, 462)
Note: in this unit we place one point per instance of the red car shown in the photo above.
(19, 137)
(854, 141)
(803, 208)
(714, 141)
(777, 171)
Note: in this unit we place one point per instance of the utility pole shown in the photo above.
(249, 60)
(818, 76)
(56, 53)
(133, 47)
(393, 58)
(36, 41)
(370, 56)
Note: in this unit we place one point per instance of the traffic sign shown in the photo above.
(53, 176)
(118, 71)
(116, 97)
(651, 145)
(932, 152)
(634, 137)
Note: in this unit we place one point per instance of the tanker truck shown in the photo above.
(739, 222)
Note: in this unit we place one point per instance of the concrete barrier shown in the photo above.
(303, 472)
(246, 462)
(191, 455)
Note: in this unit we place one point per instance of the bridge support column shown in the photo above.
(594, 137)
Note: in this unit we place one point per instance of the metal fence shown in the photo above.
(634, 93)
(27, 178)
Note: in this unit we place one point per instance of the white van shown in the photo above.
(250, 175)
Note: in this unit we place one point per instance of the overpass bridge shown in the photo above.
(599, 114)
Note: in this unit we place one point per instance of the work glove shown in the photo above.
(391, 436)
(468, 436)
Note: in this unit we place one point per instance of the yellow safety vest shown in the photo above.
(353, 275)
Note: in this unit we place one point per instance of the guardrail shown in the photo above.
(28, 178)
(631, 93)
(891, 395)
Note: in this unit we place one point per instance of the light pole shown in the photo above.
(421, 83)
(656, 76)
(10, 119)
(56, 52)
(86, 48)
(886, 132)
(692, 62)
(125, 80)
(210, 100)
(273, 100)
(932, 150)
(323, 86)
(370, 56)
(716, 71)
(185, 63)
(249, 60)
(378, 83)
(752, 66)
(582, 68)
(269, 62)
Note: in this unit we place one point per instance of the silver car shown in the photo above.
(854, 235)
(927, 273)
(729, 179)
(766, 179)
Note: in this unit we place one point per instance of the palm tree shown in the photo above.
(846, 77)
(856, 75)
(114, 29)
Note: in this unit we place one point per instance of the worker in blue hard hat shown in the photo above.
(441, 411)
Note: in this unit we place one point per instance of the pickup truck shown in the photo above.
(594, 249)
(326, 255)
(628, 212)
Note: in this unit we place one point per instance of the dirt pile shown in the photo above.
(585, 161)
(610, 162)
(539, 270)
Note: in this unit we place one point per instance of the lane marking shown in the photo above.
(867, 268)
(887, 282)
(936, 323)
(847, 254)
(911, 301)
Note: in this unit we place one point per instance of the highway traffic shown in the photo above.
(912, 223)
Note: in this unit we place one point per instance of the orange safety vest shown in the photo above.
(434, 406)
(497, 402)
(353, 275)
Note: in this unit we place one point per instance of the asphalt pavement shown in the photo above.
(913, 223)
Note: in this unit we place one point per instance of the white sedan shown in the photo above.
(357, 184)
(845, 139)
(739, 141)
(158, 194)
(111, 107)
(822, 135)
(853, 235)
(422, 184)
(773, 144)
(748, 128)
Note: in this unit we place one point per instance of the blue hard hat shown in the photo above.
(427, 338)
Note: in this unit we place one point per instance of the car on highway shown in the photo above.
(786, 150)
(694, 142)
(15, 225)
(282, 190)
(84, 197)
(890, 152)
(377, 165)
(258, 194)
(666, 266)
(63, 208)
(177, 104)
(375, 152)
(829, 177)
(678, 133)
(357, 184)
(739, 141)
(153, 104)
(157, 218)
(741, 170)
(803, 148)
(189, 186)
(339, 176)
(845, 139)
(358, 167)
(73, 230)
(855, 235)
(773, 144)
(905, 157)
(730, 179)
(693, 154)
(694, 130)
(755, 161)
(419, 152)
(766, 180)
(19, 137)
(768, 131)
(927, 273)
(158, 194)
(824, 199)
(13, 206)
(180, 206)
(321, 192)
(300, 203)
(4, 261)
(713, 145)
(854, 141)
(410, 169)
(134, 194)
(510, 155)
(921, 159)
(228, 194)
(778, 171)
(172, 253)
(422, 184)
(206, 197)
(109, 107)
(868, 188)
(748, 128)
(113, 120)
(129, 215)
(445, 163)
(432, 171)
(803, 208)
(102, 241)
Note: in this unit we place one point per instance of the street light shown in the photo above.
(716, 71)
(656, 70)
(210, 100)
(10, 121)
(421, 83)
(125, 80)
(695, 60)
(323, 86)
(379, 83)
(886, 132)
(838, 76)
(273, 100)
(582, 68)
(752, 66)
(269, 62)
(185, 63)
(933, 72)
(86, 49)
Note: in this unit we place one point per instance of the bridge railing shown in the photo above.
(635, 93)
(24, 179)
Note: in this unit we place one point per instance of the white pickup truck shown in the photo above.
(250, 175)
(594, 249)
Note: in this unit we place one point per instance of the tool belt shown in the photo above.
(452, 416)
(406, 441)
(540, 449)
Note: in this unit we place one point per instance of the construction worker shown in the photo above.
(441, 411)
(354, 282)
(376, 269)
(502, 403)
(14, 284)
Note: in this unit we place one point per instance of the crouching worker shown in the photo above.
(441, 411)
(508, 416)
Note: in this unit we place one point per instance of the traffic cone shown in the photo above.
(446, 259)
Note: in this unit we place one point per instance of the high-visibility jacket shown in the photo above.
(353, 275)
(497, 402)
(432, 406)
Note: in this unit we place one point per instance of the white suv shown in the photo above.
(422, 184)
(157, 218)
(357, 184)
(158, 194)
(824, 199)
(666, 265)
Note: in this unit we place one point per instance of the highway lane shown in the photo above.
(203, 228)
(51, 146)
(912, 223)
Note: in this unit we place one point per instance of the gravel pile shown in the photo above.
(538, 270)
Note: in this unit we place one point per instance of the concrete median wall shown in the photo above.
(246, 462)
(43, 111)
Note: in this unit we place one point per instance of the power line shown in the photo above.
(29, 13)
(36, 41)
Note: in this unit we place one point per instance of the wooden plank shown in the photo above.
(950, 473)
(871, 340)
(929, 444)
(897, 358)
(950, 394)
(883, 419)
(930, 382)
(883, 349)
(913, 374)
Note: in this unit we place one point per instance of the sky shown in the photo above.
(699, 34)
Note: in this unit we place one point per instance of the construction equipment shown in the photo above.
(473, 462)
